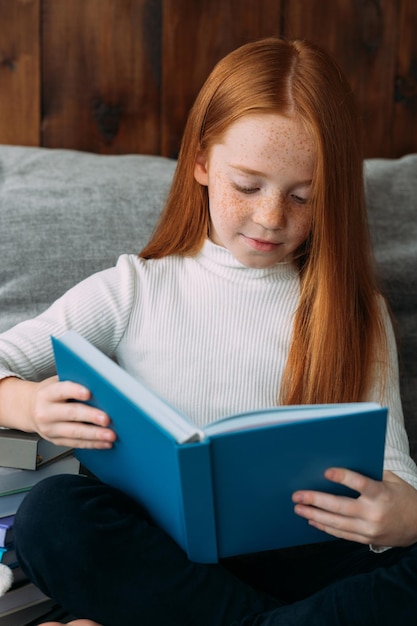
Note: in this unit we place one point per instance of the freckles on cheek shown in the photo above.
(226, 206)
(300, 219)
(304, 226)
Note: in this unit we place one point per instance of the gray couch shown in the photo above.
(66, 214)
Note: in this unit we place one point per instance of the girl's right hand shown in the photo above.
(59, 415)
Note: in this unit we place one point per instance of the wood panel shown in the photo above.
(405, 122)
(361, 35)
(195, 36)
(19, 72)
(118, 76)
(101, 75)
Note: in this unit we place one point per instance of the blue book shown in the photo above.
(6, 531)
(226, 489)
(8, 556)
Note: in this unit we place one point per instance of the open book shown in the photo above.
(226, 489)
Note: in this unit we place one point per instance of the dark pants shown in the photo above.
(96, 553)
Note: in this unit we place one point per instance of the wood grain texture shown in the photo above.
(101, 75)
(20, 72)
(119, 76)
(404, 133)
(195, 36)
(361, 36)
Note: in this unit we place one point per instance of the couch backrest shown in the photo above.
(66, 214)
(391, 192)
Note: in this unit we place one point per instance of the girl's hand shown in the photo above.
(65, 423)
(384, 514)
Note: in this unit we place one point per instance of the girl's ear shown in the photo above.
(200, 169)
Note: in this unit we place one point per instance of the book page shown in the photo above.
(285, 414)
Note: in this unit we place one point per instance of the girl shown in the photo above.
(256, 288)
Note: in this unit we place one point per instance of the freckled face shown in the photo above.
(259, 179)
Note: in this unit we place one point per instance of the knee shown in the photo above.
(49, 512)
(42, 523)
(73, 506)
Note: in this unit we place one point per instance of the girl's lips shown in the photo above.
(260, 244)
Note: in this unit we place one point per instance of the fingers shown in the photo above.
(383, 514)
(359, 483)
(324, 508)
(362, 485)
(61, 416)
(68, 401)
(334, 515)
(83, 436)
(354, 519)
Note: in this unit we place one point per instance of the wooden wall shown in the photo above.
(119, 76)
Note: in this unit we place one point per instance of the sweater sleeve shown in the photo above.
(98, 308)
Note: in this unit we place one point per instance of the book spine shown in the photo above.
(8, 556)
(199, 519)
(4, 538)
(18, 453)
(10, 504)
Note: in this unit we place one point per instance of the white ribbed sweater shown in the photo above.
(207, 333)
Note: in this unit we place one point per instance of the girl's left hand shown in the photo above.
(384, 514)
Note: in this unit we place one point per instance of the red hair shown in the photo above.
(338, 326)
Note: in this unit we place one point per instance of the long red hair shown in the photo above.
(338, 329)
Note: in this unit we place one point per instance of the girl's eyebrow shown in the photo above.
(246, 170)
(251, 172)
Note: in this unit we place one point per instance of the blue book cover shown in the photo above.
(226, 489)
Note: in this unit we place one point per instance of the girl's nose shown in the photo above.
(270, 213)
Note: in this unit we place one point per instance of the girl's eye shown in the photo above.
(245, 190)
(299, 199)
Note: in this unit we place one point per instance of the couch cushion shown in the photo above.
(391, 192)
(67, 214)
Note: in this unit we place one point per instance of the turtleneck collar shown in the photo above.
(222, 262)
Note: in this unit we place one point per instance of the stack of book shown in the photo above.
(25, 459)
